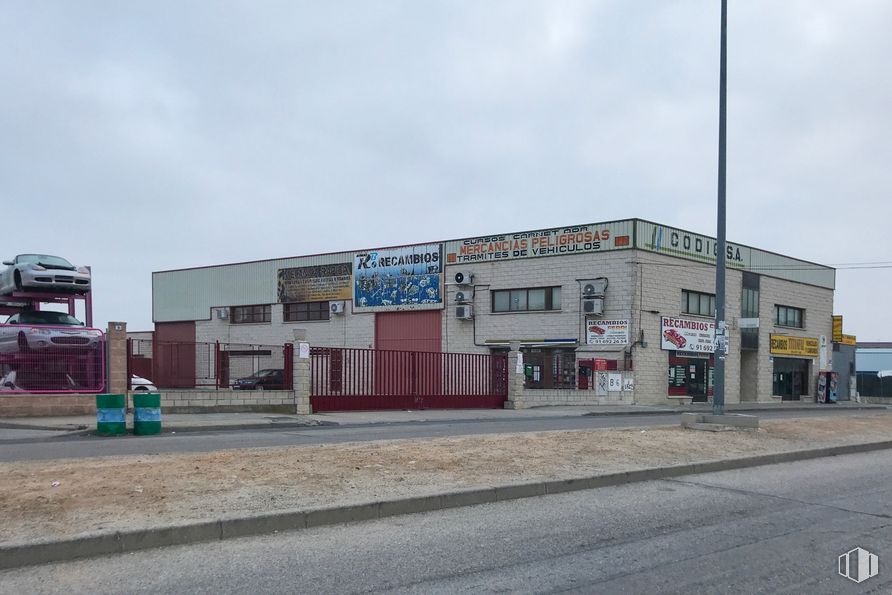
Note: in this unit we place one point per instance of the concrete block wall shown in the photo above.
(227, 401)
(28, 405)
(563, 271)
(344, 330)
(117, 357)
(818, 306)
(658, 293)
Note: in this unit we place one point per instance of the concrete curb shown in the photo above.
(828, 408)
(100, 544)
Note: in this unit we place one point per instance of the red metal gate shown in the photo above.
(361, 379)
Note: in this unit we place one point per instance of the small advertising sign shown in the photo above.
(682, 334)
(837, 329)
(600, 365)
(795, 346)
(849, 340)
(607, 332)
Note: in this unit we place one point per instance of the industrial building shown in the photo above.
(630, 295)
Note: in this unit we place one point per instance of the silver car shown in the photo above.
(43, 272)
(44, 329)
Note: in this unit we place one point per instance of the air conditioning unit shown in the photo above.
(222, 313)
(460, 297)
(593, 305)
(464, 312)
(595, 287)
(463, 277)
(337, 307)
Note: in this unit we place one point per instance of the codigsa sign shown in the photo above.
(682, 334)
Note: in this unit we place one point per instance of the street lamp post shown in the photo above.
(718, 400)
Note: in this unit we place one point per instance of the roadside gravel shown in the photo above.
(131, 492)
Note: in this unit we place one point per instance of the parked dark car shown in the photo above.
(269, 379)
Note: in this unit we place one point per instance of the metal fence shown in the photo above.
(169, 364)
(51, 359)
(357, 379)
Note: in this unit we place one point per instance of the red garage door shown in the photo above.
(409, 331)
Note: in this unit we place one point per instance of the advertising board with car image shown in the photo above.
(683, 334)
(607, 332)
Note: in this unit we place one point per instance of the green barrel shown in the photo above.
(111, 416)
(146, 413)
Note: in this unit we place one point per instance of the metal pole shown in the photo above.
(718, 400)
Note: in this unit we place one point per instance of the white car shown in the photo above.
(42, 272)
(44, 329)
(138, 383)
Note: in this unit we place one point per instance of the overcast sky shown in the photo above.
(143, 136)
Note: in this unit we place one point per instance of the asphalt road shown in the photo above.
(772, 529)
(95, 446)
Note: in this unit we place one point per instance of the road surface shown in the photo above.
(772, 529)
(93, 446)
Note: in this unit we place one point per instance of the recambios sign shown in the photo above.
(684, 334)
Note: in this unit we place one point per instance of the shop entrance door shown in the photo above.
(697, 380)
(790, 378)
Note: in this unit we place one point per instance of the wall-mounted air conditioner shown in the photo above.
(461, 297)
(463, 277)
(593, 305)
(337, 307)
(464, 312)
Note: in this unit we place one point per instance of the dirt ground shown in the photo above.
(128, 492)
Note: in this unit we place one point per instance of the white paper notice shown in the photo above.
(303, 351)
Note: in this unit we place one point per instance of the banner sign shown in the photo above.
(321, 283)
(796, 346)
(837, 329)
(398, 279)
(682, 334)
(607, 332)
(597, 237)
(849, 340)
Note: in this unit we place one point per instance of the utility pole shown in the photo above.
(718, 399)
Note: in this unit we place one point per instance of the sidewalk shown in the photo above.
(194, 422)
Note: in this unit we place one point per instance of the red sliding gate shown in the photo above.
(361, 379)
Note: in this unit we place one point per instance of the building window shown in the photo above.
(306, 311)
(250, 314)
(535, 299)
(694, 302)
(787, 316)
(749, 308)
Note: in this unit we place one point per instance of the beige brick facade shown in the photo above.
(645, 283)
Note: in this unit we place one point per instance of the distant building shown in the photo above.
(870, 359)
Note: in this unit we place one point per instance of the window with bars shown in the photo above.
(695, 302)
(534, 299)
(789, 316)
(306, 311)
(250, 314)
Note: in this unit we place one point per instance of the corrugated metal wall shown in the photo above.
(189, 294)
